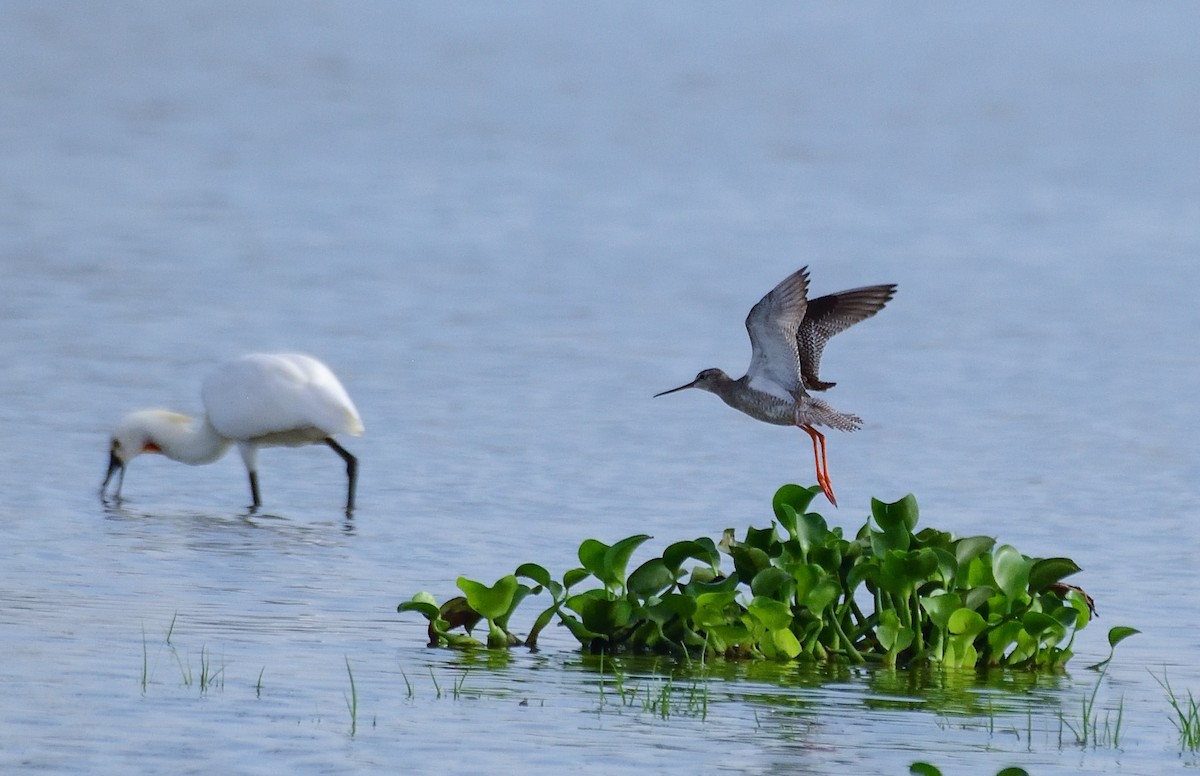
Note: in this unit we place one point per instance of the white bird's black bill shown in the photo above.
(114, 465)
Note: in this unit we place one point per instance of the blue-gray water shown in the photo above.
(507, 226)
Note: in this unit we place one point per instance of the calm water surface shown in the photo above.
(505, 229)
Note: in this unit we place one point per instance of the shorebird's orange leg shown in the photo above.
(818, 440)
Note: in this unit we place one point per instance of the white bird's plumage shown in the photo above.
(258, 400)
(277, 396)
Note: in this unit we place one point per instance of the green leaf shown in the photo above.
(940, 606)
(1047, 571)
(977, 597)
(650, 578)
(923, 769)
(822, 595)
(491, 602)
(617, 557)
(764, 539)
(604, 616)
(424, 603)
(773, 582)
(1042, 627)
(1011, 570)
(898, 514)
(672, 605)
(893, 636)
(786, 644)
(795, 496)
(574, 577)
(713, 608)
(537, 573)
(702, 549)
(1003, 636)
(591, 556)
(1119, 633)
(748, 561)
(771, 613)
(971, 547)
(966, 622)
(582, 634)
(812, 532)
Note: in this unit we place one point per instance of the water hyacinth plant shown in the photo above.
(797, 589)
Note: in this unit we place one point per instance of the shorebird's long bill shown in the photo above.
(114, 465)
(673, 390)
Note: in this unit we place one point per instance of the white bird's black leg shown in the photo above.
(351, 469)
(254, 489)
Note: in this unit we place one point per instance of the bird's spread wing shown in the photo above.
(261, 394)
(773, 324)
(829, 315)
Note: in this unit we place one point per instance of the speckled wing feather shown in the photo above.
(829, 315)
(773, 325)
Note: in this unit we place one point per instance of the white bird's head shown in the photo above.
(709, 380)
(138, 432)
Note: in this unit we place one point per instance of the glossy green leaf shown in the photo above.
(518, 596)
(923, 769)
(617, 557)
(795, 496)
(713, 608)
(812, 531)
(1011, 570)
(650, 578)
(748, 561)
(423, 603)
(605, 616)
(537, 573)
(1047, 571)
(773, 582)
(898, 514)
(574, 577)
(966, 622)
(1040, 625)
(764, 539)
(491, 602)
(977, 597)
(822, 595)
(939, 607)
(582, 634)
(1001, 638)
(703, 550)
(786, 644)
(971, 547)
(591, 557)
(893, 538)
(771, 613)
(1119, 633)
(892, 635)
(672, 605)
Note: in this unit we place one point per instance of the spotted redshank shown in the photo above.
(787, 336)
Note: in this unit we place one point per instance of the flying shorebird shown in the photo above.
(258, 400)
(787, 336)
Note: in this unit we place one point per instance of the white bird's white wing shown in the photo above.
(772, 325)
(260, 394)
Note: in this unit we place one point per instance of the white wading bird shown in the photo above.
(258, 400)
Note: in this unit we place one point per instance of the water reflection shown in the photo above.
(239, 533)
